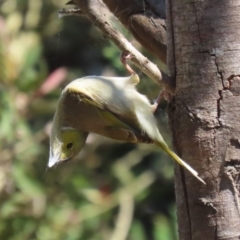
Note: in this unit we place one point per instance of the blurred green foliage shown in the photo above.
(112, 189)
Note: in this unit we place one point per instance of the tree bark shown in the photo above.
(205, 116)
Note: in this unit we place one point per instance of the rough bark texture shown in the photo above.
(205, 116)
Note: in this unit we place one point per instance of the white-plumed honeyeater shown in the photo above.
(109, 106)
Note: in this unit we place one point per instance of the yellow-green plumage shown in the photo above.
(109, 106)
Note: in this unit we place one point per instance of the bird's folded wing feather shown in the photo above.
(115, 119)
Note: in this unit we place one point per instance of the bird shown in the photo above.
(108, 106)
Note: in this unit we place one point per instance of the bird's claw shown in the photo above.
(124, 57)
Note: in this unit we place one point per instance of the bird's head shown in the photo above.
(65, 144)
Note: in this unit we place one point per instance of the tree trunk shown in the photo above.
(205, 116)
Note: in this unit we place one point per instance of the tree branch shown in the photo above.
(144, 21)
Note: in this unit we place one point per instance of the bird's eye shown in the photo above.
(69, 145)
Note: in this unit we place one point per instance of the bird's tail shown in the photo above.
(179, 160)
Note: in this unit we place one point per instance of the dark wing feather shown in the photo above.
(85, 114)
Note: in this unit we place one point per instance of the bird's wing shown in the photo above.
(114, 117)
(89, 100)
(124, 123)
(116, 121)
(113, 110)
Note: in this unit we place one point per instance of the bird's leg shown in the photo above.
(162, 95)
(158, 100)
(124, 57)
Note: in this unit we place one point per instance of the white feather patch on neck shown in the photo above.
(67, 128)
(52, 159)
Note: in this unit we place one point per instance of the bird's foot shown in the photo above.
(124, 57)
(162, 95)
